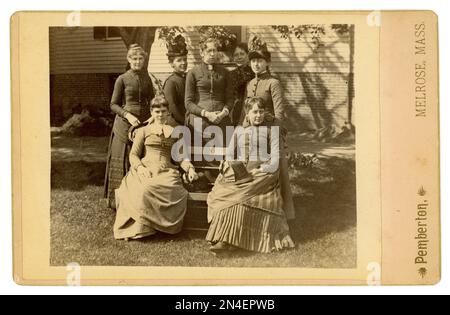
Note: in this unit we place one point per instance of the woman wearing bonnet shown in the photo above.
(269, 89)
(175, 84)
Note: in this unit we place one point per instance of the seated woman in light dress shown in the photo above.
(151, 196)
(245, 207)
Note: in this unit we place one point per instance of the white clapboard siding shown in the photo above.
(74, 50)
(328, 67)
(290, 55)
(299, 55)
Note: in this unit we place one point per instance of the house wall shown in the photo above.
(315, 80)
(74, 50)
(82, 70)
(70, 93)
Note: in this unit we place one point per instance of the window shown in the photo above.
(107, 33)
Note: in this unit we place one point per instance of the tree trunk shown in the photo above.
(143, 36)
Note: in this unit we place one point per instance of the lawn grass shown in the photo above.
(324, 230)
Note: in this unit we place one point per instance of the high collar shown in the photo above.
(262, 75)
(136, 72)
(181, 75)
(157, 129)
(208, 67)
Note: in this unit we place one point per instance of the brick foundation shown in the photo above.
(70, 93)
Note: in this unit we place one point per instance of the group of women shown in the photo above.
(250, 203)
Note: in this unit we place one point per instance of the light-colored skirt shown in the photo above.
(146, 205)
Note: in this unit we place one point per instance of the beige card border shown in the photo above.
(409, 147)
(16, 146)
(31, 154)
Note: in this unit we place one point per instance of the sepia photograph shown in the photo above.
(203, 146)
(225, 148)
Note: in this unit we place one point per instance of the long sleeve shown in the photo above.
(117, 97)
(230, 87)
(234, 80)
(235, 149)
(190, 97)
(279, 104)
(273, 164)
(170, 92)
(151, 90)
(137, 149)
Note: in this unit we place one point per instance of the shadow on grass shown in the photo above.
(325, 199)
(76, 175)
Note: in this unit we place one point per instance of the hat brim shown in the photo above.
(182, 54)
(256, 54)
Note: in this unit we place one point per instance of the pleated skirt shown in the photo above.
(117, 166)
(249, 228)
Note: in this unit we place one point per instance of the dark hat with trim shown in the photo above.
(258, 49)
(177, 47)
(235, 172)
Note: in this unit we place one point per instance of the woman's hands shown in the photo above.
(132, 119)
(213, 117)
(192, 175)
(217, 117)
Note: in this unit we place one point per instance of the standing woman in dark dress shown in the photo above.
(269, 89)
(209, 91)
(240, 77)
(133, 92)
(175, 84)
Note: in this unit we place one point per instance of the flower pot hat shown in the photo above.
(258, 49)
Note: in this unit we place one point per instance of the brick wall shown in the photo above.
(313, 98)
(69, 92)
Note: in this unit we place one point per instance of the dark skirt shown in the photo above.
(117, 166)
(237, 113)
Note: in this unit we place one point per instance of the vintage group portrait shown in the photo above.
(241, 143)
(105, 81)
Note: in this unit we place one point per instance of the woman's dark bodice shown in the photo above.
(133, 92)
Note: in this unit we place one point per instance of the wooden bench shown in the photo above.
(197, 213)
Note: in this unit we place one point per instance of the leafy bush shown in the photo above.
(88, 124)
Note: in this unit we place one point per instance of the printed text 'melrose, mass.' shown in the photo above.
(420, 73)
